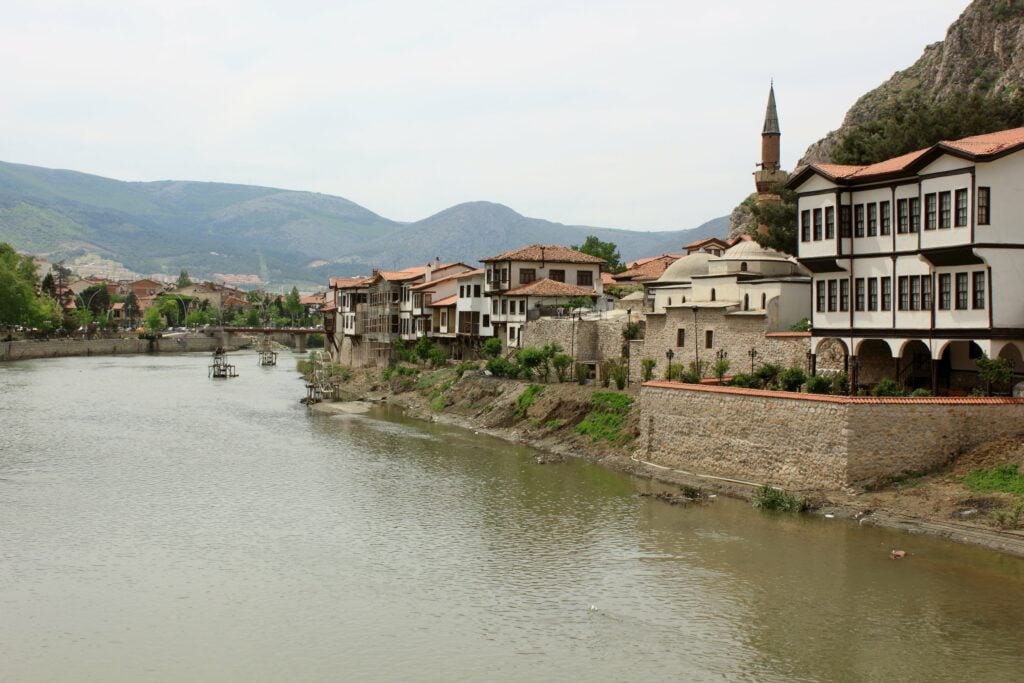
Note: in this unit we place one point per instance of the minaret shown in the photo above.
(770, 178)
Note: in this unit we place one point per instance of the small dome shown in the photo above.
(750, 250)
(685, 268)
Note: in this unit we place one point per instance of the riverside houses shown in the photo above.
(917, 260)
(525, 282)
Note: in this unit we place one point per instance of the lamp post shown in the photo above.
(696, 342)
(753, 354)
(670, 354)
(856, 375)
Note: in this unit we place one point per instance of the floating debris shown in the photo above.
(898, 554)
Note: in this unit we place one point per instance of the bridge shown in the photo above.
(295, 336)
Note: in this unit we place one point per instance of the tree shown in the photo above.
(19, 303)
(154, 320)
(293, 304)
(995, 372)
(183, 279)
(605, 250)
(779, 219)
(96, 299)
(48, 286)
(131, 308)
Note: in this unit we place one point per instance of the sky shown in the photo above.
(638, 114)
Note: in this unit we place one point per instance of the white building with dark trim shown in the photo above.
(917, 261)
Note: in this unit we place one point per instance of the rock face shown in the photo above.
(982, 55)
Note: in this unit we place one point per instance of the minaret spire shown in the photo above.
(771, 115)
(771, 177)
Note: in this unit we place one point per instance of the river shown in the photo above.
(156, 525)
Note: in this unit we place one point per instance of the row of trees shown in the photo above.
(19, 303)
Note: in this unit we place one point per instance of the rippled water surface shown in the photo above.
(158, 525)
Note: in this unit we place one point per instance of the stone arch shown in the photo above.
(892, 345)
(1011, 351)
(822, 343)
(743, 267)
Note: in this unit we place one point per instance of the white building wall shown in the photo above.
(1006, 179)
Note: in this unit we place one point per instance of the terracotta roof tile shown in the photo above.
(546, 287)
(347, 282)
(447, 301)
(478, 271)
(989, 143)
(555, 253)
(650, 269)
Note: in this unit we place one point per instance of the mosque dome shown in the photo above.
(750, 250)
(685, 268)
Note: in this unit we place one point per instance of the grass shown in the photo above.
(770, 498)
(527, 398)
(1003, 479)
(556, 423)
(605, 420)
(437, 401)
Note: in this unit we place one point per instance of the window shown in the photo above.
(830, 222)
(886, 293)
(680, 337)
(961, 291)
(821, 296)
(844, 221)
(504, 274)
(817, 224)
(978, 289)
(858, 220)
(858, 294)
(904, 286)
(511, 335)
(929, 211)
(584, 278)
(844, 295)
(764, 301)
(984, 200)
(522, 307)
(805, 226)
(712, 293)
(504, 306)
(915, 214)
(926, 292)
(527, 275)
(945, 206)
(709, 339)
(872, 220)
(490, 276)
(832, 295)
(494, 306)
(961, 208)
(487, 320)
(556, 275)
(915, 293)
(462, 291)
(872, 294)
(743, 267)
(886, 226)
(902, 217)
(945, 291)
(746, 302)
(476, 290)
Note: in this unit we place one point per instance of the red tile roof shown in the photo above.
(347, 282)
(554, 253)
(478, 271)
(546, 287)
(447, 301)
(987, 144)
(706, 240)
(649, 269)
(431, 283)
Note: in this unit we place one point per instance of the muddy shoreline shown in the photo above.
(487, 406)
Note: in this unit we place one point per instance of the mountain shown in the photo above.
(968, 84)
(282, 237)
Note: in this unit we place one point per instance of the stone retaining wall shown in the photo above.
(805, 441)
(25, 350)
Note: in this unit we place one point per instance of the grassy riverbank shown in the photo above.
(602, 424)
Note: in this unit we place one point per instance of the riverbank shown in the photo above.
(549, 418)
(63, 348)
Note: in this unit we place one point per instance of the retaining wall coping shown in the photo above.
(785, 335)
(826, 398)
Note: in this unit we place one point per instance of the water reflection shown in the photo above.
(157, 525)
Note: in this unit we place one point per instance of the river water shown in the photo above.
(156, 525)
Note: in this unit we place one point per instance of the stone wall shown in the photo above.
(586, 340)
(25, 350)
(804, 441)
(734, 334)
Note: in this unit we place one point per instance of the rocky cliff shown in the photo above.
(979, 65)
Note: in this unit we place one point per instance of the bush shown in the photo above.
(841, 384)
(996, 373)
(720, 368)
(803, 325)
(819, 384)
(562, 362)
(502, 367)
(526, 398)
(631, 331)
(581, 373)
(744, 381)
(437, 356)
(920, 393)
(647, 368)
(533, 361)
(491, 348)
(791, 379)
(768, 374)
(886, 387)
(674, 371)
(462, 367)
(770, 498)
(315, 341)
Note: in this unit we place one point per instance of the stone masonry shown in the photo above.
(804, 441)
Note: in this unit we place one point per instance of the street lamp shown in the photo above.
(670, 354)
(753, 354)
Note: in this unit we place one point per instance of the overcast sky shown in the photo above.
(634, 114)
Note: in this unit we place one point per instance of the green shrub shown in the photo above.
(491, 348)
(631, 331)
(921, 393)
(315, 341)
(744, 381)
(1004, 479)
(437, 356)
(527, 398)
(819, 384)
(770, 498)
(502, 367)
(803, 325)
(841, 384)
(791, 379)
(532, 361)
(464, 366)
(647, 368)
(562, 362)
(720, 368)
(996, 373)
(768, 374)
(581, 373)
(674, 371)
(886, 387)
